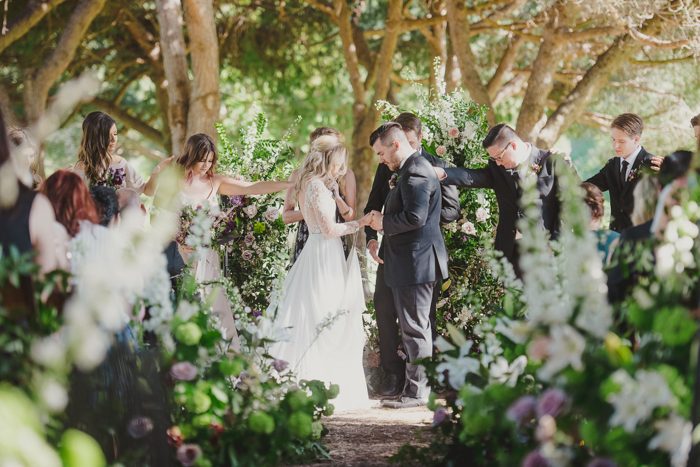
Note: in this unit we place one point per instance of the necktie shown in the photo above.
(623, 171)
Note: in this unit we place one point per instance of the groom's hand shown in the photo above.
(373, 247)
(377, 221)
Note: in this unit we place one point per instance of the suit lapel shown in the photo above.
(637, 164)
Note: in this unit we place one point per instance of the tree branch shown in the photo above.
(324, 8)
(662, 62)
(652, 41)
(504, 66)
(350, 53)
(122, 116)
(36, 10)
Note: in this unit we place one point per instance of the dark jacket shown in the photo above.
(508, 195)
(413, 248)
(450, 211)
(621, 193)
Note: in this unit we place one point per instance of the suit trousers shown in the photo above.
(388, 326)
(413, 303)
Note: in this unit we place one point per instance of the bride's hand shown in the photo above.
(365, 220)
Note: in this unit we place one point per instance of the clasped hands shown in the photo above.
(374, 219)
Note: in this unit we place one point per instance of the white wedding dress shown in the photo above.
(322, 302)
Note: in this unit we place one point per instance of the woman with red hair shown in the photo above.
(71, 200)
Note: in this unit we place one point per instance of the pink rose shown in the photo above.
(271, 214)
(538, 348)
(247, 255)
(482, 214)
(250, 211)
(468, 228)
(453, 132)
(441, 150)
(183, 371)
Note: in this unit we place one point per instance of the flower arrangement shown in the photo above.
(250, 234)
(586, 395)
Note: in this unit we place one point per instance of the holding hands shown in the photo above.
(372, 219)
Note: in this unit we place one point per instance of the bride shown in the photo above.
(322, 300)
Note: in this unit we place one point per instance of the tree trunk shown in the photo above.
(541, 81)
(172, 42)
(459, 35)
(204, 53)
(38, 82)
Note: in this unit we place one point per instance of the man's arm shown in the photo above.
(377, 196)
(451, 209)
(467, 178)
(599, 179)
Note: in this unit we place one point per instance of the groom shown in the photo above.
(413, 251)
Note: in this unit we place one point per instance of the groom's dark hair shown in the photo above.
(499, 135)
(387, 132)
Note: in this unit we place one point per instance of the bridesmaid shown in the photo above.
(200, 188)
(98, 162)
(344, 193)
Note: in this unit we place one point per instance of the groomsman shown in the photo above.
(620, 175)
(509, 158)
(387, 324)
(413, 251)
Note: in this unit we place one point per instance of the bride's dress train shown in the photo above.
(322, 302)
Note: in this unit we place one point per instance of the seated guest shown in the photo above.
(607, 239)
(105, 198)
(620, 175)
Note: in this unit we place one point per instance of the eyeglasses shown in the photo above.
(500, 154)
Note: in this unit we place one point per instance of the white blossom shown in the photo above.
(673, 436)
(566, 347)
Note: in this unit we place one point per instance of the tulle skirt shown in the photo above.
(322, 303)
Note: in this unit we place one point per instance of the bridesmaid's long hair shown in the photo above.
(197, 148)
(317, 163)
(94, 147)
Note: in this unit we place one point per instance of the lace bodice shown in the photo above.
(318, 208)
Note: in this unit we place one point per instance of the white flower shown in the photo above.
(469, 130)
(482, 214)
(459, 367)
(501, 372)
(49, 351)
(638, 397)
(186, 310)
(674, 437)
(468, 228)
(516, 331)
(53, 395)
(250, 210)
(271, 214)
(565, 349)
(664, 259)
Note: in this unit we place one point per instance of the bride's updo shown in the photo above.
(323, 152)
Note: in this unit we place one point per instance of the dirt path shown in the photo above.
(370, 437)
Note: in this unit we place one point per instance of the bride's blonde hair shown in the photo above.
(317, 163)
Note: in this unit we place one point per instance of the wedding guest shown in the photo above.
(107, 203)
(607, 239)
(22, 142)
(635, 253)
(510, 158)
(98, 162)
(27, 224)
(387, 320)
(344, 195)
(201, 188)
(620, 174)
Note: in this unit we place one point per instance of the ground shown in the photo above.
(369, 437)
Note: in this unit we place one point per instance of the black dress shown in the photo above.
(14, 233)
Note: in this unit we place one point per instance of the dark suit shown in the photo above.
(626, 265)
(387, 326)
(414, 259)
(621, 193)
(507, 190)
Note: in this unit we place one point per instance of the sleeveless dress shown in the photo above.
(321, 304)
(208, 268)
(120, 174)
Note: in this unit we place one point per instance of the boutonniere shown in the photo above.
(393, 180)
(634, 175)
(536, 168)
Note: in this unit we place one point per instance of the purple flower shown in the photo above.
(551, 402)
(280, 365)
(247, 255)
(116, 177)
(522, 410)
(257, 313)
(601, 462)
(236, 200)
(139, 427)
(535, 459)
(188, 454)
(183, 371)
(440, 416)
